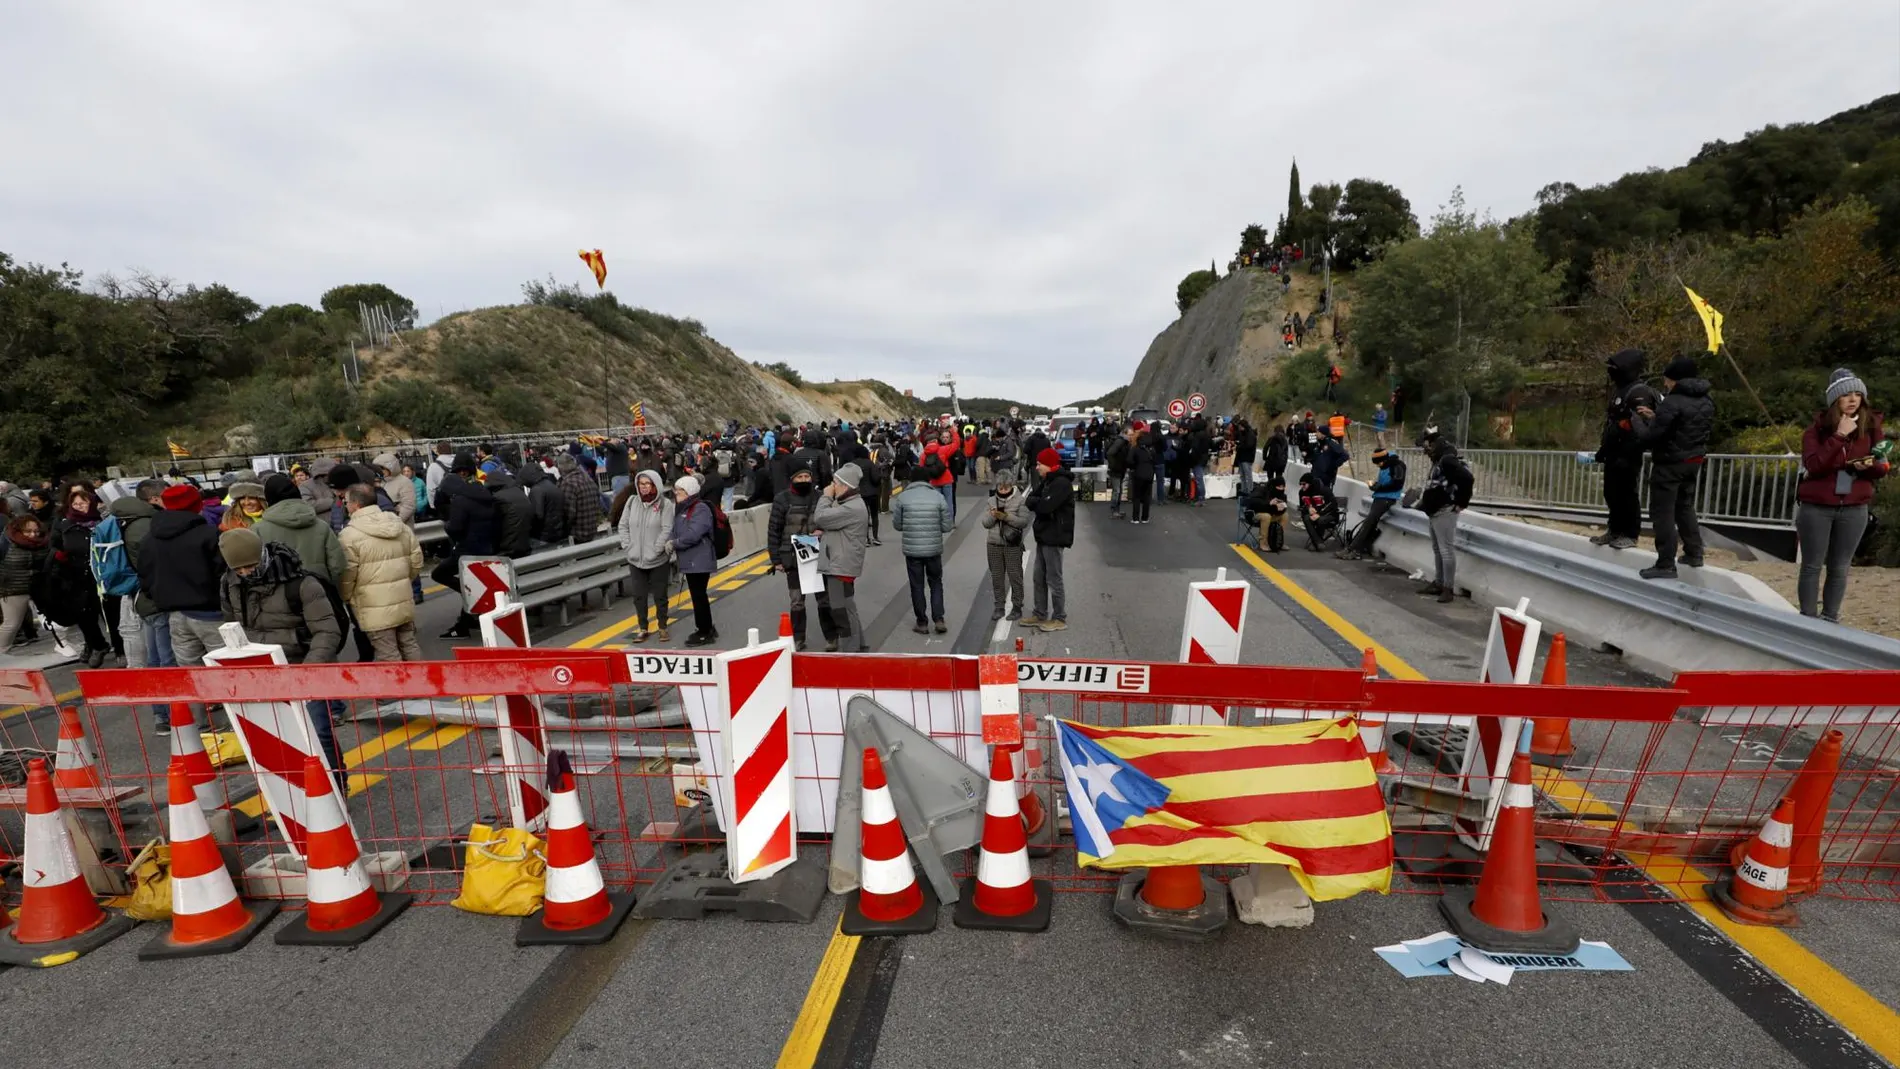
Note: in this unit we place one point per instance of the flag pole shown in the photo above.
(1722, 348)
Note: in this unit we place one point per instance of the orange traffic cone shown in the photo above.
(59, 918)
(343, 909)
(1550, 738)
(1027, 761)
(1812, 790)
(188, 745)
(74, 768)
(576, 908)
(785, 625)
(889, 900)
(1757, 891)
(207, 915)
(1505, 914)
(1372, 728)
(1002, 896)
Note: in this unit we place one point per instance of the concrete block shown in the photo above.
(282, 875)
(1267, 895)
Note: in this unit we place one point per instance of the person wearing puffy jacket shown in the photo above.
(1839, 467)
(1676, 432)
(922, 519)
(383, 559)
(1006, 520)
(691, 542)
(646, 521)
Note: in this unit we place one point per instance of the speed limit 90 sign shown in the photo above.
(1197, 402)
(1177, 408)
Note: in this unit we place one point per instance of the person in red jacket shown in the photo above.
(946, 448)
(1837, 485)
(969, 452)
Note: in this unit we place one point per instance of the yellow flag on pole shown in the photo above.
(178, 451)
(1711, 319)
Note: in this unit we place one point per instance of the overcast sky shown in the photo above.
(1006, 191)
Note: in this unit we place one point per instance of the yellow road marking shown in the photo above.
(447, 734)
(18, 710)
(387, 741)
(1875, 1023)
(808, 1031)
(747, 567)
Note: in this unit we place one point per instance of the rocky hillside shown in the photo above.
(1226, 340)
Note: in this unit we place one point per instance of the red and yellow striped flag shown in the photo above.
(1301, 795)
(597, 263)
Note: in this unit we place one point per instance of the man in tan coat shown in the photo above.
(384, 558)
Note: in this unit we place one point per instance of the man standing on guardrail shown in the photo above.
(1676, 430)
(1620, 453)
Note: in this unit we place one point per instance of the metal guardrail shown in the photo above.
(554, 576)
(1734, 487)
(1774, 632)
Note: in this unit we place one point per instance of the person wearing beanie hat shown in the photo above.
(1053, 504)
(179, 569)
(1619, 450)
(246, 505)
(471, 517)
(280, 488)
(268, 592)
(401, 492)
(1839, 466)
(241, 548)
(691, 542)
(1676, 432)
(1007, 520)
(1387, 488)
(844, 524)
(182, 497)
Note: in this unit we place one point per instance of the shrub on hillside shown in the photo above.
(287, 415)
(479, 363)
(783, 370)
(421, 409)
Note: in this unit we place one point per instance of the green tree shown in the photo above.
(1253, 238)
(344, 299)
(81, 371)
(1371, 215)
(1463, 308)
(1192, 287)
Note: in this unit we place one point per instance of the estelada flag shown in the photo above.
(1301, 795)
(177, 450)
(639, 410)
(1711, 319)
(597, 263)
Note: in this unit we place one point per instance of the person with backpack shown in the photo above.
(646, 521)
(69, 597)
(691, 542)
(791, 515)
(1053, 503)
(383, 558)
(843, 523)
(947, 451)
(920, 515)
(1006, 520)
(266, 590)
(1447, 493)
(115, 547)
(179, 571)
(1387, 488)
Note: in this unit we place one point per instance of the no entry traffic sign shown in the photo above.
(1177, 408)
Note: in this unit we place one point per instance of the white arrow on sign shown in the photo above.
(482, 579)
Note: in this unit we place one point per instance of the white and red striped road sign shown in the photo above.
(1210, 634)
(999, 700)
(482, 579)
(1177, 408)
(1510, 654)
(519, 723)
(1197, 402)
(277, 738)
(755, 692)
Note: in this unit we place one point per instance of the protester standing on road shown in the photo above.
(1619, 451)
(69, 597)
(469, 519)
(1676, 432)
(1142, 466)
(179, 571)
(1387, 487)
(691, 543)
(791, 515)
(646, 522)
(1246, 447)
(614, 452)
(1053, 504)
(547, 517)
(840, 516)
(140, 625)
(948, 451)
(268, 592)
(401, 492)
(384, 559)
(1007, 520)
(920, 515)
(21, 568)
(1117, 461)
(580, 500)
(1275, 460)
(1446, 495)
(1328, 458)
(1837, 485)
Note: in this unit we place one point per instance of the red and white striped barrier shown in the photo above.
(277, 738)
(755, 685)
(519, 722)
(485, 581)
(1210, 634)
(1510, 654)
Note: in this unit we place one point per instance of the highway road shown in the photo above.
(443, 988)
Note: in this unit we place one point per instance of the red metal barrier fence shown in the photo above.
(1681, 772)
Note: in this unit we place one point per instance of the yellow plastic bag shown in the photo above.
(223, 748)
(150, 875)
(504, 872)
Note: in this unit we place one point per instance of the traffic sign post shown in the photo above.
(482, 579)
(1177, 408)
(1197, 402)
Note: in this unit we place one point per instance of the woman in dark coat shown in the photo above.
(69, 597)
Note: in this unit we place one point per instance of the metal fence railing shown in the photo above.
(1736, 488)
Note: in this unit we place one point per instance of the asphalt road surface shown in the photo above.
(444, 988)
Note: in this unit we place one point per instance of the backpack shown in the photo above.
(111, 564)
(721, 533)
(956, 463)
(293, 593)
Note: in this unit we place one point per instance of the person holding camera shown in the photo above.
(1006, 520)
